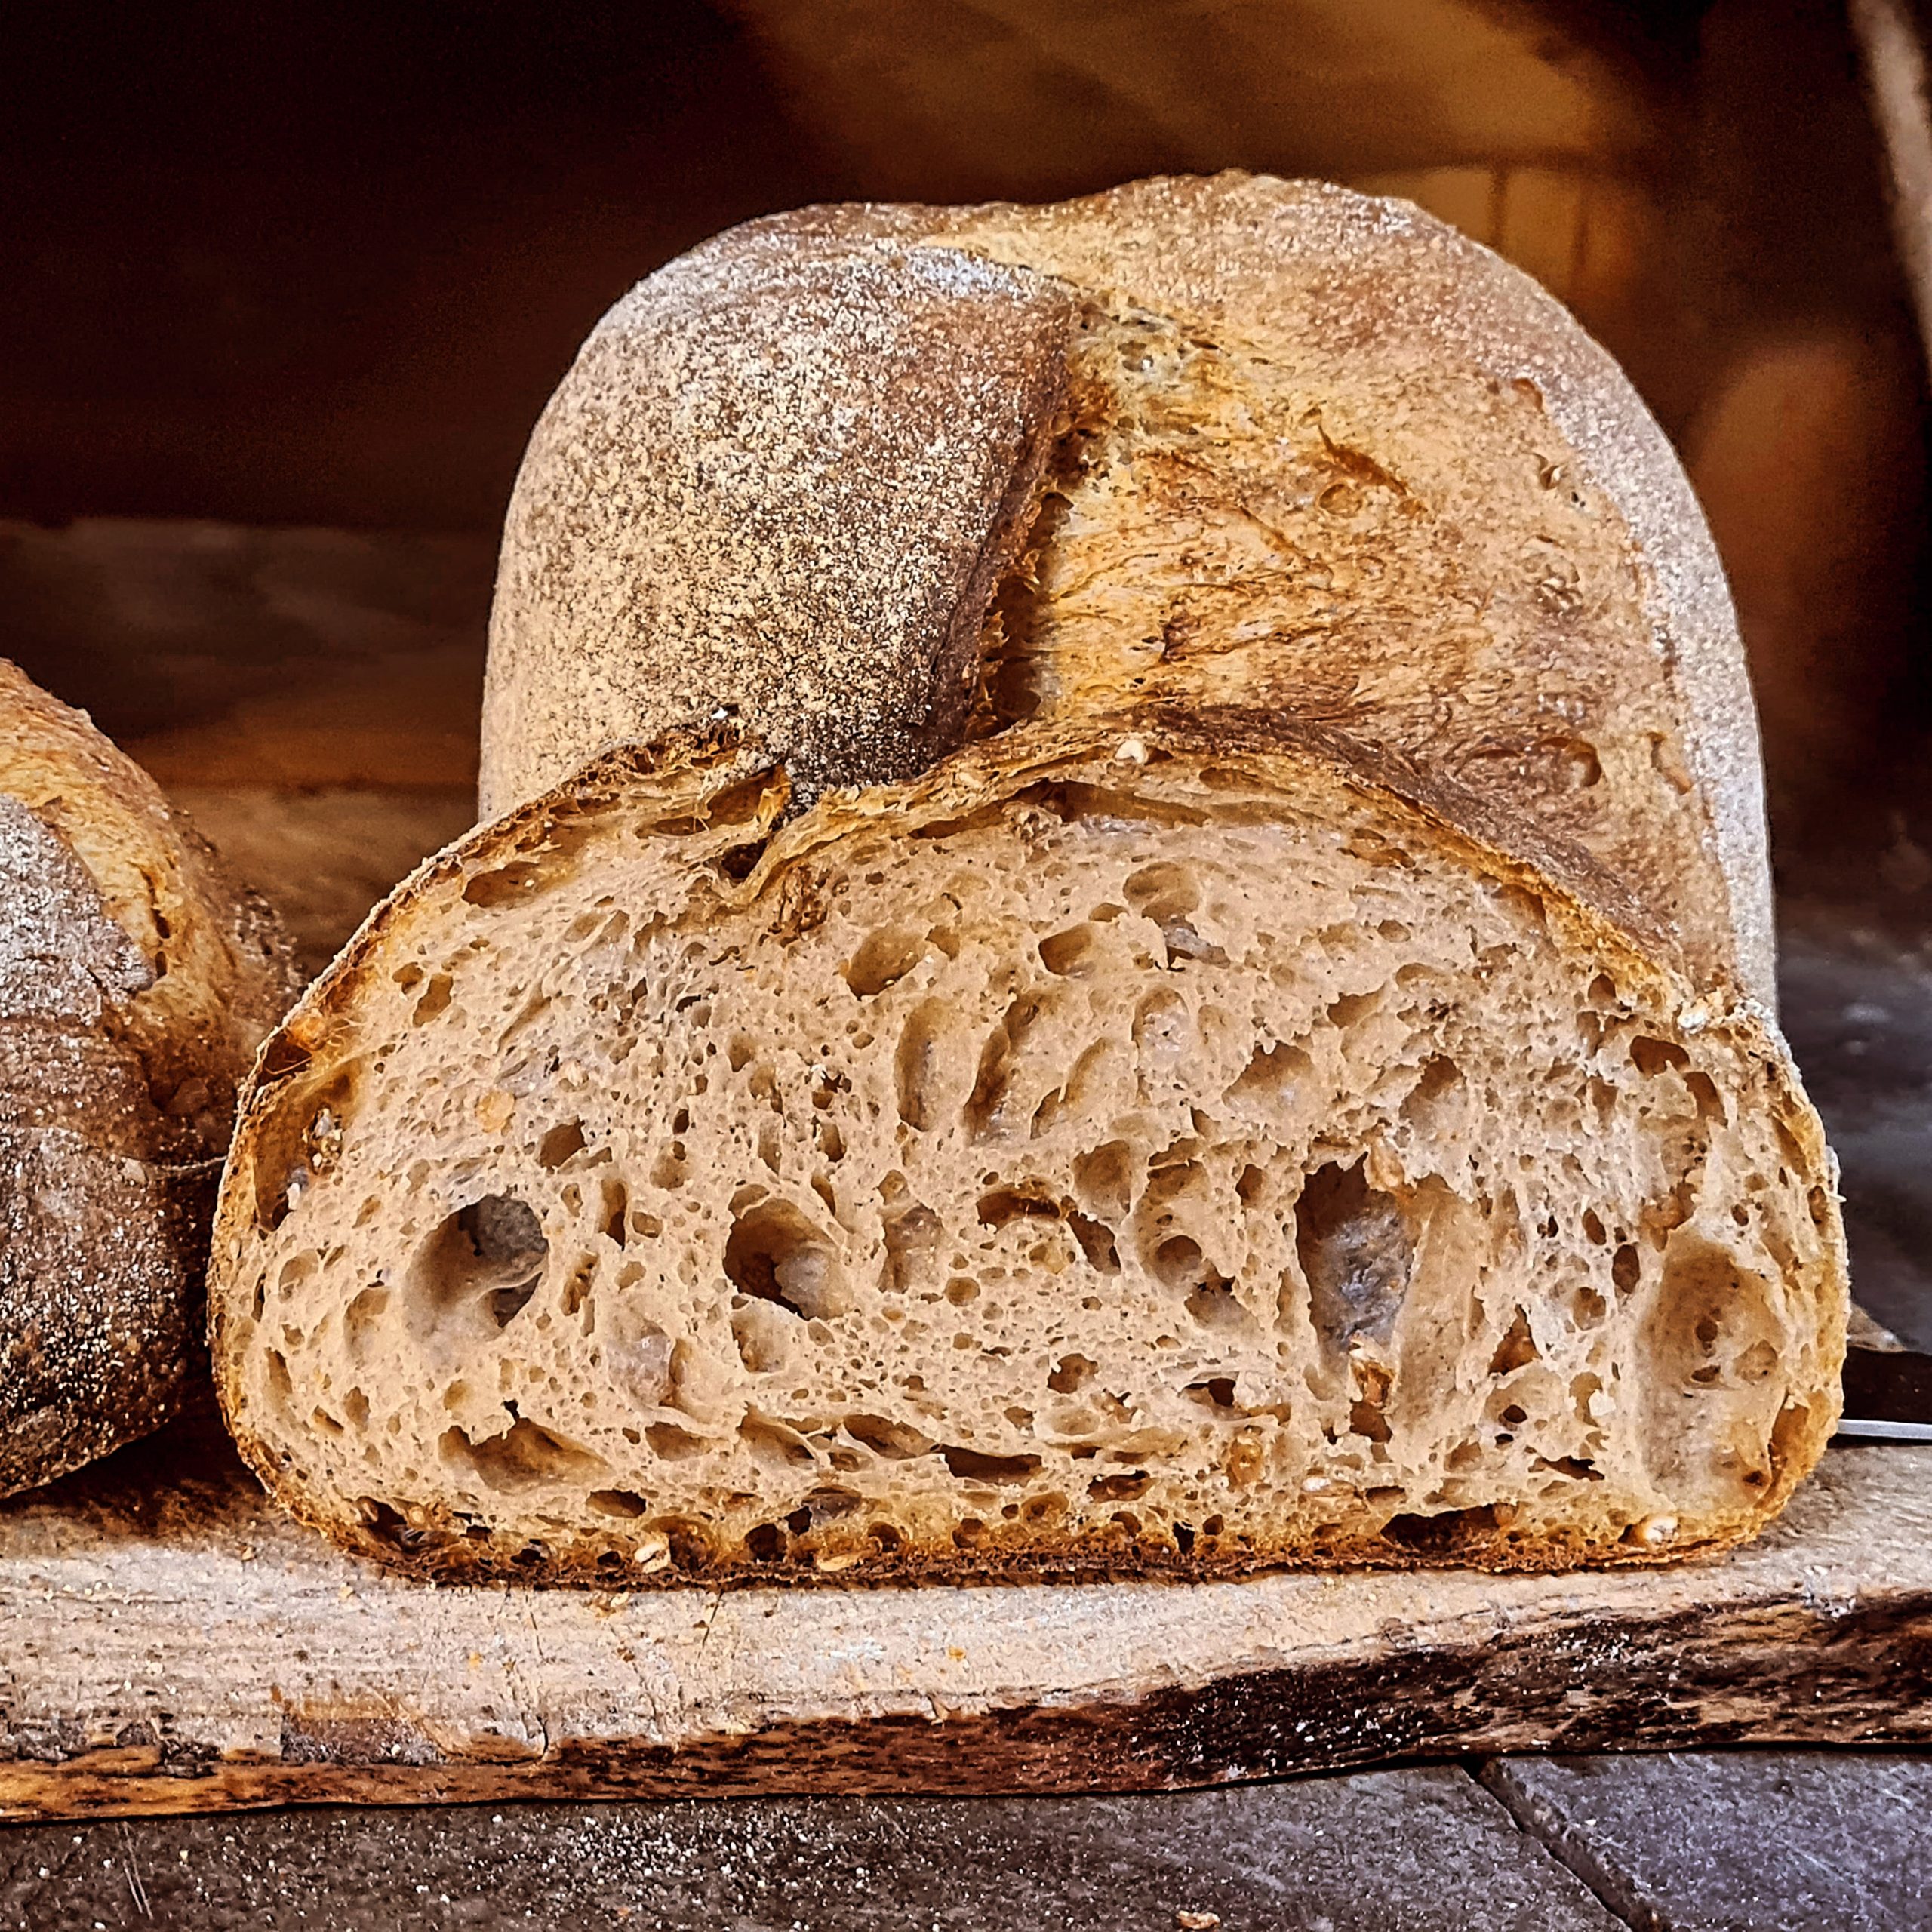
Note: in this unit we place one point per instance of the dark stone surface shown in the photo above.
(1857, 1008)
(1419, 1851)
(1738, 1840)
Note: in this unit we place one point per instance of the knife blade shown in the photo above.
(1888, 1395)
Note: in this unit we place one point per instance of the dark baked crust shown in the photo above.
(134, 982)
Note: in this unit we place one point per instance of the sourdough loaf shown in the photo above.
(1265, 1056)
(136, 982)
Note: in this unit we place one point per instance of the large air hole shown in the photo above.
(774, 1444)
(560, 1143)
(485, 1260)
(1440, 1534)
(360, 1320)
(638, 1355)
(1180, 1264)
(1435, 1089)
(1070, 954)
(774, 1254)
(1003, 1204)
(436, 997)
(1345, 1011)
(1168, 894)
(896, 1442)
(1104, 1179)
(1653, 1056)
(1357, 1252)
(1712, 1322)
(1215, 1306)
(624, 1504)
(1096, 1238)
(1164, 892)
(912, 1237)
(616, 1205)
(972, 1465)
(525, 1457)
(987, 1104)
(1272, 1077)
(923, 1067)
(764, 1332)
(504, 886)
(883, 959)
(1071, 1373)
(1165, 1035)
(1516, 1350)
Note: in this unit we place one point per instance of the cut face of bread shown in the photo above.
(1140, 1143)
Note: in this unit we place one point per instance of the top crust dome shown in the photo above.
(1232, 440)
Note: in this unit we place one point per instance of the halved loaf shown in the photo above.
(1173, 1141)
(137, 980)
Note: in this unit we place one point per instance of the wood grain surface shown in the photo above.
(174, 1645)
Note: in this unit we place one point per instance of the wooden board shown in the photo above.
(172, 1643)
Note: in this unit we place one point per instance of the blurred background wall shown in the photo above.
(288, 286)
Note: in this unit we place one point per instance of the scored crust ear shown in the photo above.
(781, 481)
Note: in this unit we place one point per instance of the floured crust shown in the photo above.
(311, 1145)
(135, 981)
(782, 477)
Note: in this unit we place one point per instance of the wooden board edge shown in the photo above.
(1823, 1673)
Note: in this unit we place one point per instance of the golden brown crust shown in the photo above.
(135, 980)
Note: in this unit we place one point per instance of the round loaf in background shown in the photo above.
(1215, 440)
(137, 979)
